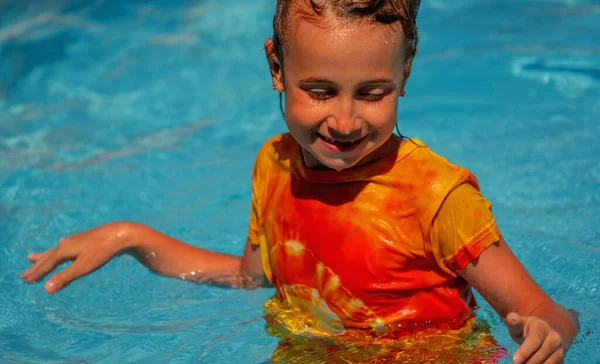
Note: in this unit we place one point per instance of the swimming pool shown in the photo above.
(133, 110)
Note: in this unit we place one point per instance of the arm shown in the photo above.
(161, 254)
(545, 329)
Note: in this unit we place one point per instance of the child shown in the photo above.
(355, 227)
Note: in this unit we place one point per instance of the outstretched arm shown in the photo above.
(160, 253)
(544, 328)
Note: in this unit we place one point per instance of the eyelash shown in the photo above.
(318, 95)
(373, 97)
(322, 96)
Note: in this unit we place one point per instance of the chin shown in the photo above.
(338, 164)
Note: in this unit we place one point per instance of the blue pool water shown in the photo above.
(153, 112)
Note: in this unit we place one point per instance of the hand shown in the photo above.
(540, 343)
(88, 250)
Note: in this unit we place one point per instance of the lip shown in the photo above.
(339, 146)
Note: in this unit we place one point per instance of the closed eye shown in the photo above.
(374, 94)
(320, 94)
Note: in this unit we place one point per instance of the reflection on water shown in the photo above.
(305, 340)
(571, 75)
(153, 112)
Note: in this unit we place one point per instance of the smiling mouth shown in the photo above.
(341, 145)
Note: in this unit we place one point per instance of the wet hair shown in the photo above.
(379, 11)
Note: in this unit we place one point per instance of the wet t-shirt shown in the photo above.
(375, 246)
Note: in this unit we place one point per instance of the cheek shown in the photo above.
(299, 110)
(382, 117)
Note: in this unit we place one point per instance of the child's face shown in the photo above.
(342, 82)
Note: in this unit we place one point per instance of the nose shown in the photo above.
(344, 119)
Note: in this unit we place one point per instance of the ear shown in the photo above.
(407, 70)
(275, 66)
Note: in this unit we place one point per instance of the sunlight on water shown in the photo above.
(154, 111)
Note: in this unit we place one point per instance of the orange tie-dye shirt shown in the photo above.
(375, 246)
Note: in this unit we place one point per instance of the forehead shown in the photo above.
(330, 42)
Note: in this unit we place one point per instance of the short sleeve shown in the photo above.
(462, 229)
(258, 188)
(256, 233)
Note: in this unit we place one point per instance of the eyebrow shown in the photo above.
(315, 80)
(322, 80)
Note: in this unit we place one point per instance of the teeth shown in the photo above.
(337, 141)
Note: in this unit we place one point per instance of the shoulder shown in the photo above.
(276, 152)
(432, 178)
(278, 144)
(428, 157)
(433, 169)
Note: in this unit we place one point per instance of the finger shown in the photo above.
(550, 348)
(516, 326)
(45, 266)
(34, 257)
(62, 279)
(83, 265)
(558, 357)
(28, 274)
(52, 258)
(37, 256)
(532, 343)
